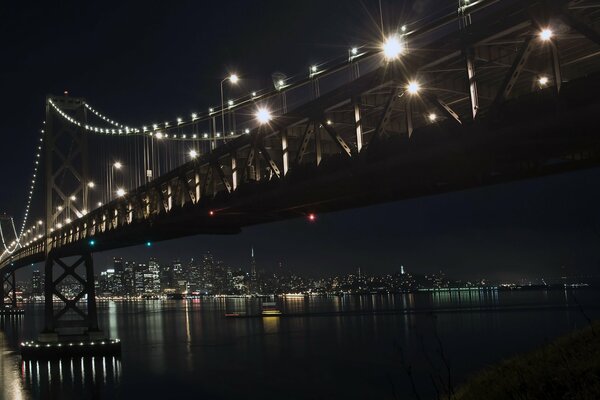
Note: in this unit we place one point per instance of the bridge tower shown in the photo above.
(8, 287)
(66, 169)
(8, 291)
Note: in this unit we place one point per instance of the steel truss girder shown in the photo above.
(305, 141)
(556, 67)
(580, 26)
(336, 137)
(88, 318)
(444, 108)
(471, 80)
(272, 165)
(386, 115)
(515, 70)
(207, 179)
(8, 282)
(218, 168)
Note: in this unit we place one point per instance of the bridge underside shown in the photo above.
(437, 159)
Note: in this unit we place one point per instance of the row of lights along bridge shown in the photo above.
(392, 48)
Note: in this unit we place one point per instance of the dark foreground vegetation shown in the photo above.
(567, 368)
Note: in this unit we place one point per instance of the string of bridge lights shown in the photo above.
(34, 177)
(156, 129)
(15, 244)
(125, 130)
(392, 48)
(7, 248)
(103, 117)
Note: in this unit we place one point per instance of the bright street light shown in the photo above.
(546, 34)
(234, 79)
(413, 87)
(263, 115)
(393, 47)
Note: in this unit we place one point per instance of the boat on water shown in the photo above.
(235, 314)
(270, 308)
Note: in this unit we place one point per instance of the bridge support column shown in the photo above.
(70, 318)
(8, 290)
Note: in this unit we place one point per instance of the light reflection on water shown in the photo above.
(70, 378)
(191, 346)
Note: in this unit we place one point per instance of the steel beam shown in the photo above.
(305, 140)
(336, 137)
(207, 180)
(234, 171)
(444, 108)
(358, 123)
(88, 319)
(217, 167)
(318, 144)
(386, 115)
(409, 117)
(515, 70)
(471, 79)
(8, 282)
(272, 165)
(580, 26)
(284, 150)
(556, 67)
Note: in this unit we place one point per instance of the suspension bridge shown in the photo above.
(492, 92)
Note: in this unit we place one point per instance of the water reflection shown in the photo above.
(99, 377)
(322, 339)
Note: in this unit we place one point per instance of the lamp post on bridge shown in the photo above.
(234, 79)
(118, 166)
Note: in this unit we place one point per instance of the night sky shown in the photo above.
(155, 60)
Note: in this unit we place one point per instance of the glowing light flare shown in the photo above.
(263, 115)
(233, 78)
(546, 34)
(393, 47)
(413, 87)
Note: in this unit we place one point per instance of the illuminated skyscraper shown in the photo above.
(36, 283)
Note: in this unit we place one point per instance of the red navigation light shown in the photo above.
(312, 217)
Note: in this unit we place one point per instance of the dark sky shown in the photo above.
(154, 60)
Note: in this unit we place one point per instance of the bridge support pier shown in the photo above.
(70, 329)
(8, 290)
(70, 317)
